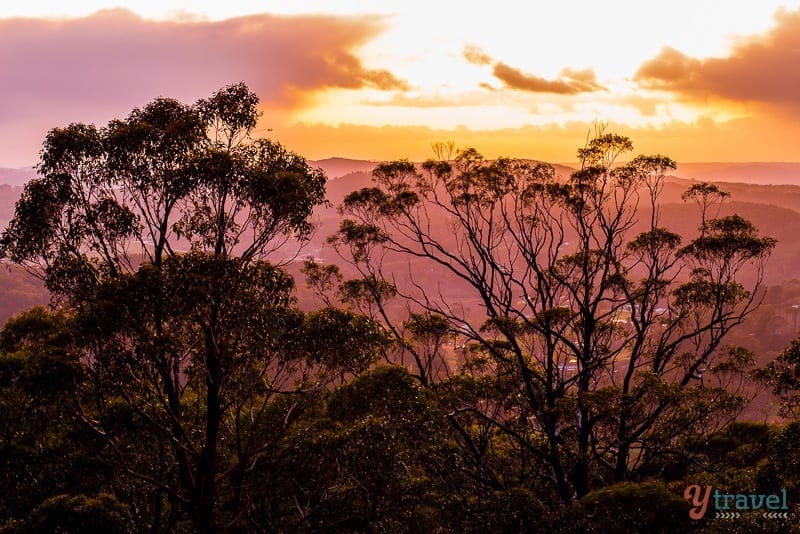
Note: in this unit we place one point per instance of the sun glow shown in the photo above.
(437, 65)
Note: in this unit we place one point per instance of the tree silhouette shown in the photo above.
(601, 336)
(153, 231)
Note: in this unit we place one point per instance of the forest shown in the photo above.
(486, 345)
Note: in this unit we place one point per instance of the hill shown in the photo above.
(16, 177)
(752, 173)
(762, 173)
(774, 209)
(336, 167)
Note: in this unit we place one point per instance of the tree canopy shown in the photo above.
(167, 178)
(601, 334)
(154, 233)
(580, 380)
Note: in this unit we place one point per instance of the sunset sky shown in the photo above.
(698, 80)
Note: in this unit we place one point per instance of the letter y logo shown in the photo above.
(698, 499)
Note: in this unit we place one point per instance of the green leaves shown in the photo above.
(343, 341)
(730, 239)
(704, 192)
(360, 238)
(654, 241)
(366, 290)
(71, 150)
(602, 330)
(705, 293)
(783, 376)
(78, 513)
(231, 112)
(603, 149)
(387, 391)
(148, 151)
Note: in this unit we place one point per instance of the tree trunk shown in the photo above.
(205, 487)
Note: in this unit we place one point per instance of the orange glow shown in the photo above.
(704, 140)
(690, 79)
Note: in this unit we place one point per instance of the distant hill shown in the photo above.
(8, 197)
(19, 291)
(751, 173)
(743, 173)
(762, 173)
(16, 177)
(774, 209)
(336, 167)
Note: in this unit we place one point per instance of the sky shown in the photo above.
(697, 80)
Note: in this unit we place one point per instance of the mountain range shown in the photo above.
(763, 193)
(764, 173)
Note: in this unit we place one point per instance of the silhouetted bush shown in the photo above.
(629, 507)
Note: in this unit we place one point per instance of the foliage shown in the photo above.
(176, 386)
(171, 357)
(783, 375)
(78, 513)
(167, 176)
(603, 333)
(629, 507)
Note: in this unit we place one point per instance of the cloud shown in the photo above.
(645, 105)
(569, 82)
(476, 56)
(109, 62)
(669, 69)
(98, 67)
(763, 69)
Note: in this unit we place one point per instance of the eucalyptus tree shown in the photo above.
(783, 375)
(167, 177)
(154, 233)
(601, 334)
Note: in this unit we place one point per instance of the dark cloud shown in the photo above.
(764, 68)
(569, 82)
(113, 60)
(566, 84)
